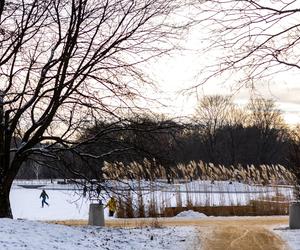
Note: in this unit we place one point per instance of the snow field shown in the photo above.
(26, 204)
(292, 237)
(65, 204)
(23, 234)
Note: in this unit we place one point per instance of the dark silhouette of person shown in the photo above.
(98, 191)
(84, 191)
(44, 196)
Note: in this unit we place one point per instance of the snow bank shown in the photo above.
(292, 237)
(23, 234)
(190, 214)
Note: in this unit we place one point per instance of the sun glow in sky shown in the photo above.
(181, 73)
(183, 70)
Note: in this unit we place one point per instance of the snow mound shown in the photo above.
(190, 214)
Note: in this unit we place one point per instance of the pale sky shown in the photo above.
(182, 71)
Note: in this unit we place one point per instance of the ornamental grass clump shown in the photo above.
(199, 184)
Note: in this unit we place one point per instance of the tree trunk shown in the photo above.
(297, 186)
(6, 181)
(5, 210)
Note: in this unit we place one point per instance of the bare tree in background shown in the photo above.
(294, 155)
(269, 121)
(65, 61)
(251, 41)
(265, 115)
(255, 39)
(211, 113)
(234, 123)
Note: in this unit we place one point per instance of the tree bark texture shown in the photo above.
(5, 209)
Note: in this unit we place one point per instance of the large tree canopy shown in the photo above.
(65, 61)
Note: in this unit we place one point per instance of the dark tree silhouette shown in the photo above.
(65, 61)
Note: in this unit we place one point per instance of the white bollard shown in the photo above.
(294, 217)
(96, 215)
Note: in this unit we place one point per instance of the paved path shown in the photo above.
(219, 233)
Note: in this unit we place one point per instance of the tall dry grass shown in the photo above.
(263, 174)
(153, 200)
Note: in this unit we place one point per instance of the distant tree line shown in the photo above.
(220, 132)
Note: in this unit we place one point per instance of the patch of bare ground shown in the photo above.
(224, 233)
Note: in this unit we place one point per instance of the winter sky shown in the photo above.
(183, 70)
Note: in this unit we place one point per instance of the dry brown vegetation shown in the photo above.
(155, 201)
(150, 170)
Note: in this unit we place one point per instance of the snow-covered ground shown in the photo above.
(292, 237)
(23, 234)
(65, 204)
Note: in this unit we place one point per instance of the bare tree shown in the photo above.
(234, 124)
(254, 40)
(265, 115)
(65, 61)
(269, 121)
(250, 41)
(294, 155)
(211, 113)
